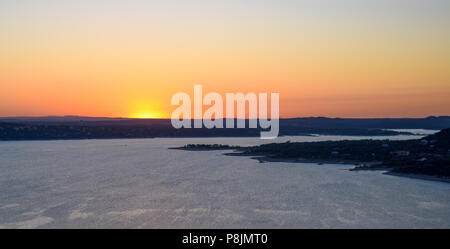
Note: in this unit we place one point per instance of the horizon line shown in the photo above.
(299, 117)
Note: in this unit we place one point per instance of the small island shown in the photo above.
(206, 147)
(426, 158)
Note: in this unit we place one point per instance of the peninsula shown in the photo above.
(427, 158)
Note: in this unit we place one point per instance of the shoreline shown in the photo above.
(200, 149)
(263, 159)
(388, 171)
(419, 176)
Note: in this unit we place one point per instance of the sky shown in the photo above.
(348, 58)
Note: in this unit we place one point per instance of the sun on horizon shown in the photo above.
(144, 115)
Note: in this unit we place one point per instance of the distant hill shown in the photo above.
(76, 127)
(434, 123)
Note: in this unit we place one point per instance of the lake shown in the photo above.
(140, 183)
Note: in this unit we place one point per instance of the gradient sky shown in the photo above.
(361, 58)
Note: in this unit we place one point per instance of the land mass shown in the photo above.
(75, 127)
(426, 158)
(206, 147)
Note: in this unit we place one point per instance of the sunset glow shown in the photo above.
(145, 115)
(98, 58)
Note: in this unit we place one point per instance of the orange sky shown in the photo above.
(127, 58)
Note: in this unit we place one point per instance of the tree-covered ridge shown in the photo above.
(429, 155)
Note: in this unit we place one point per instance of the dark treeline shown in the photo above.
(73, 127)
(436, 123)
(13, 131)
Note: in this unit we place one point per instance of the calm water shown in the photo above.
(140, 183)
